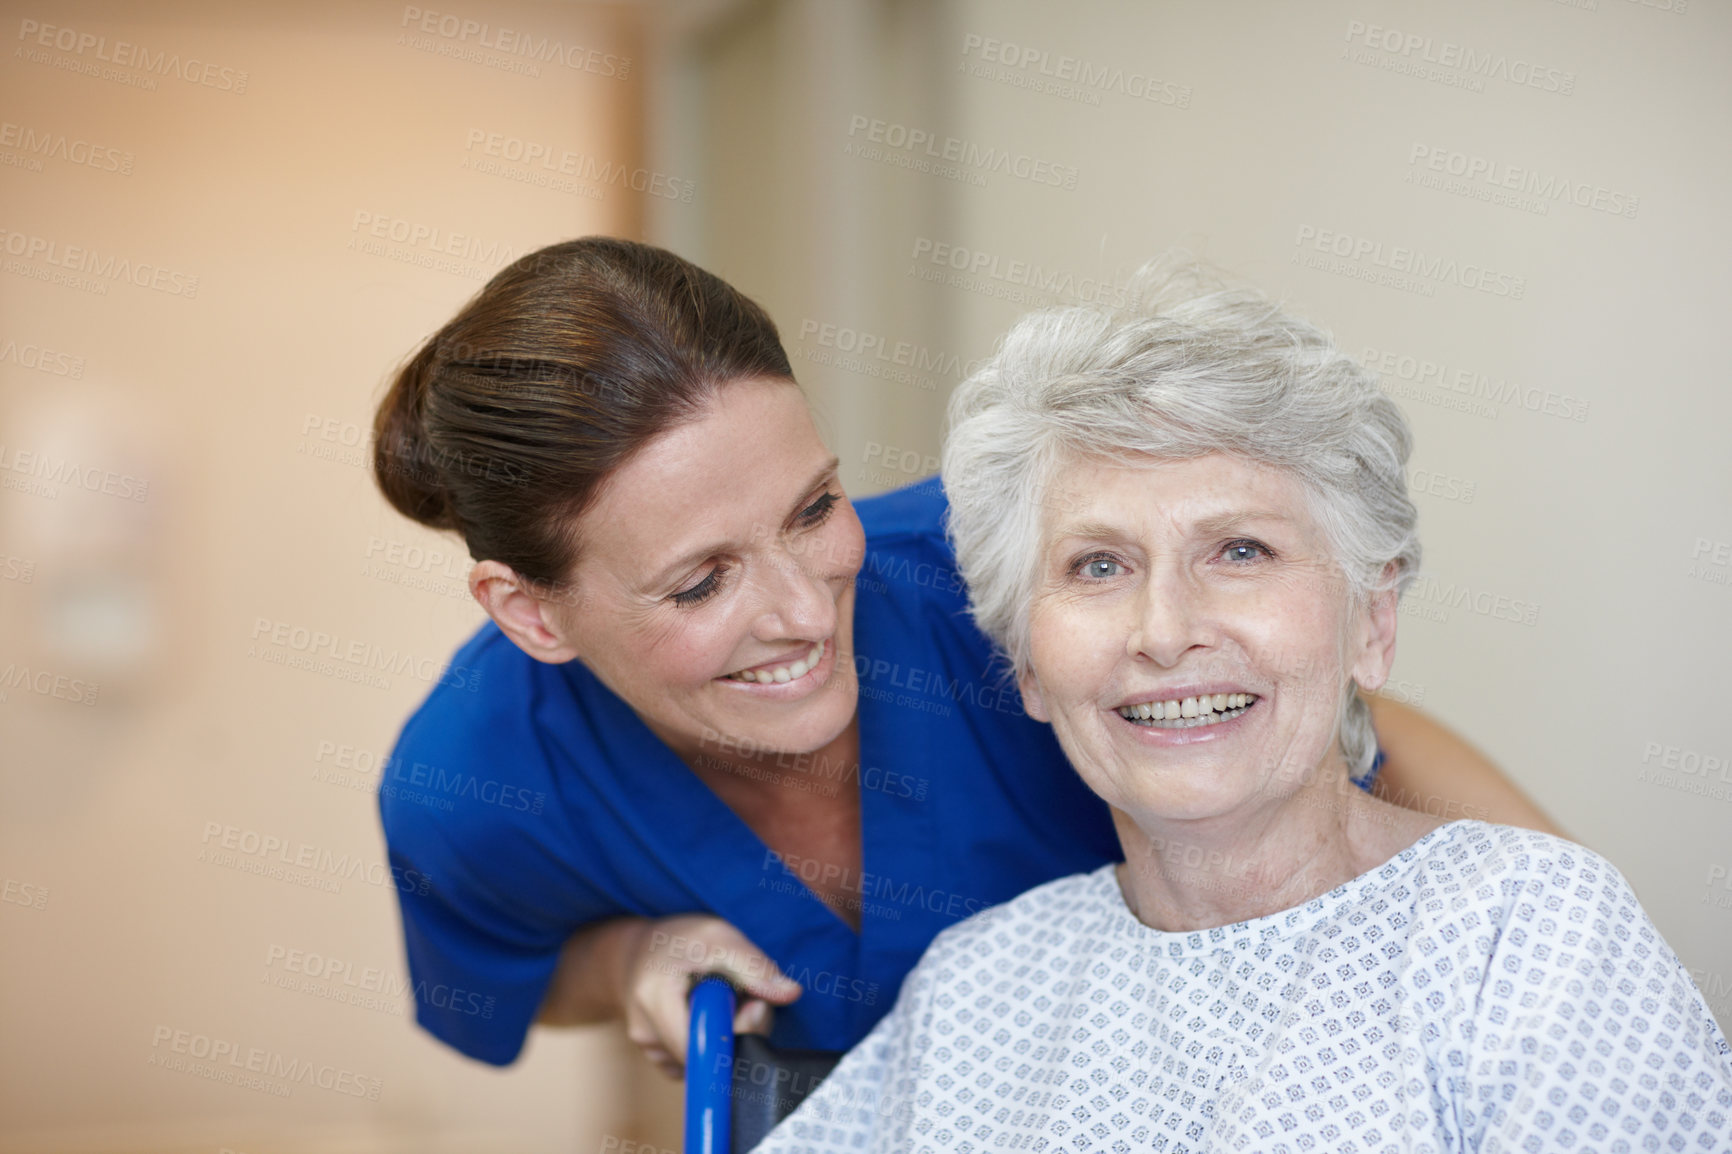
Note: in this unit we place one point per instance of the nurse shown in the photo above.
(721, 718)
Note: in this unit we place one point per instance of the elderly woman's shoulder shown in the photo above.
(1515, 877)
(1505, 855)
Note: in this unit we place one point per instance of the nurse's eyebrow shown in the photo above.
(692, 556)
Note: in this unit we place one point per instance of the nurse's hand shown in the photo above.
(658, 979)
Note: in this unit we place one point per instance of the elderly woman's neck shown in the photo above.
(1268, 856)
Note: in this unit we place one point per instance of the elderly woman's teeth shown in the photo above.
(785, 673)
(1189, 712)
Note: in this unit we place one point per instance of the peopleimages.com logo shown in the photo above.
(1398, 266)
(90, 269)
(44, 144)
(40, 359)
(465, 38)
(45, 474)
(1426, 57)
(949, 156)
(160, 63)
(320, 651)
(225, 1060)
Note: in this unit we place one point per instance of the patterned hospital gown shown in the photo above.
(1489, 988)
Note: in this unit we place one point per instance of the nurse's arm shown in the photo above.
(640, 970)
(1430, 768)
(592, 971)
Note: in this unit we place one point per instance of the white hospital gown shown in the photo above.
(1489, 988)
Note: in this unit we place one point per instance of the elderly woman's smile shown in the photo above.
(1201, 588)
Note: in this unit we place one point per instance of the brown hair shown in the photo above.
(504, 425)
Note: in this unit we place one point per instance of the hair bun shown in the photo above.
(402, 456)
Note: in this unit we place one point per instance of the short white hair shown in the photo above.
(1193, 367)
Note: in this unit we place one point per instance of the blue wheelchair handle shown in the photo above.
(710, 1067)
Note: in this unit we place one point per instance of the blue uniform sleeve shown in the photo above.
(493, 877)
(1370, 778)
(479, 961)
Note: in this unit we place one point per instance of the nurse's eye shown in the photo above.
(817, 512)
(702, 591)
(1096, 567)
(1245, 551)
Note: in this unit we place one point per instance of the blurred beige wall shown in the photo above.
(185, 491)
(1508, 207)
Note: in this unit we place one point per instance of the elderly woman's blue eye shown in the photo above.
(1245, 551)
(1098, 567)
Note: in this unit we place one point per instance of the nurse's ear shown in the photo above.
(1032, 699)
(522, 611)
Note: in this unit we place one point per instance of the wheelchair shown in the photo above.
(739, 1087)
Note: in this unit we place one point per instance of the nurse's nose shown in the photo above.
(798, 603)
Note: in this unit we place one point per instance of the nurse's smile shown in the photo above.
(785, 672)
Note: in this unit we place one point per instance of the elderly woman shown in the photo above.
(1188, 529)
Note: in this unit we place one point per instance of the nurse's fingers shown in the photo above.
(644, 1031)
(668, 1048)
(749, 968)
(754, 1017)
(663, 964)
(763, 981)
(664, 1061)
(667, 1012)
(702, 944)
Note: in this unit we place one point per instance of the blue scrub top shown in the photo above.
(524, 801)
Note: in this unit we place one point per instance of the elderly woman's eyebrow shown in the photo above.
(1238, 519)
(1209, 526)
(1092, 530)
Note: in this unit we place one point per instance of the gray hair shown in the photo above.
(1193, 367)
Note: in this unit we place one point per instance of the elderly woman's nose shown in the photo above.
(1170, 619)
